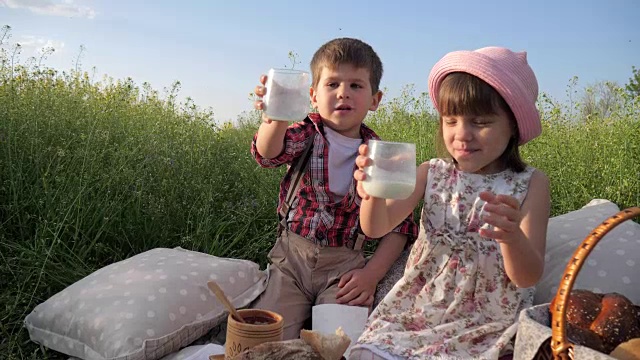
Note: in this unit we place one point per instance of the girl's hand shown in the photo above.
(260, 91)
(503, 212)
(362, 161)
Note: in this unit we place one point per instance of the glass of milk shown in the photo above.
(392, 174)
(287, 95)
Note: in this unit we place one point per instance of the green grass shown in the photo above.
(95, 172)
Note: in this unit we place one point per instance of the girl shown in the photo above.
(483, 224)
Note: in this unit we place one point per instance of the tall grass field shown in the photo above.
(93, 172)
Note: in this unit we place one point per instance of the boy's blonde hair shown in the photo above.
(347, 51)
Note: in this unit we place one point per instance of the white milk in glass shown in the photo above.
(389, 189)
(287, 97)
(392, 174)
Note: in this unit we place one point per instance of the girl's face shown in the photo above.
(477, 142)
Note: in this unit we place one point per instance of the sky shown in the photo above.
(218, 49)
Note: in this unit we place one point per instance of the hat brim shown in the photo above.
(503, 77)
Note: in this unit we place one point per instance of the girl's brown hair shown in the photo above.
(465, 94)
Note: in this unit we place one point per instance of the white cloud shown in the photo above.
(32, 44)
(49, 7)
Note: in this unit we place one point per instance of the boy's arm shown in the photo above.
(283, 145)
(270, 138)
(387, 252)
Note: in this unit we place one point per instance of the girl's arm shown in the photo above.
(379, 216)
(521, 230)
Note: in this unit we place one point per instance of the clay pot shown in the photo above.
(261, 326)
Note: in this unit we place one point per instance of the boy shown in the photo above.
(318, 255)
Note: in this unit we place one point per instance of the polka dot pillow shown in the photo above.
(144, 307)
(613, 264)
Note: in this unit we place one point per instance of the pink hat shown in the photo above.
(506, 71)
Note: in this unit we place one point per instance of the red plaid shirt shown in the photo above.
(314, 214)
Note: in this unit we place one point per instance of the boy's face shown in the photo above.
(343, 98)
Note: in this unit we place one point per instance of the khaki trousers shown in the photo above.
(301, 275)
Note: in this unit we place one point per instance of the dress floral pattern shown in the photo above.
(454, 299)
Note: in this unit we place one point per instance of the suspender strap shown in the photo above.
(359, 242)
(296, 179)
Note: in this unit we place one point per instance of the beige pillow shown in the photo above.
(145, 307)
(613, 264)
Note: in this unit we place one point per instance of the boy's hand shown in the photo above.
(260, 91)
(362, 161)
(357, 288)
(503, 212)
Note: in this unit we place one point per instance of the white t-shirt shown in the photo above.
(342, 157)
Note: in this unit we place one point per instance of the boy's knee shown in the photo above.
(328, 296)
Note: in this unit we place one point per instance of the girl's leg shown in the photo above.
(364, 354)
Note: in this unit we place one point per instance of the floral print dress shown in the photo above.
(454, 299)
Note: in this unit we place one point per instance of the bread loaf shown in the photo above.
(312, 345)
(600, 321)
(629, 350)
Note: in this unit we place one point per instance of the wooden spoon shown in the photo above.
(213, 286)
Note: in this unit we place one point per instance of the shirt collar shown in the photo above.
(366, 133)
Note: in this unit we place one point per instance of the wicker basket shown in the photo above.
(557, 346)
